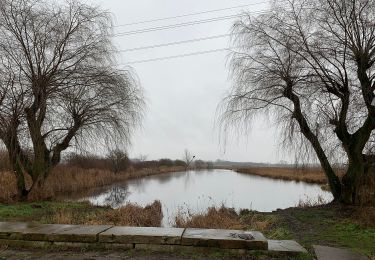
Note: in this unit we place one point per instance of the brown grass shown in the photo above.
(308, 174)
(225, 218)
(134, 215)
(66, 180)
(128, 215)
(364, 216)
(367, 189)
(7, 187)
(309, 202)
(221, 218)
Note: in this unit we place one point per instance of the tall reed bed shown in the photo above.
(66, 179)
(306, 174)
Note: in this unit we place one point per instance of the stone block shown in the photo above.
(194, 250)
(9, 228)
(226, 239)
(27, 231)
(79, 233)
(142, 235)
(25, 244)
(285, 246)
(39, 232)
(51, 232)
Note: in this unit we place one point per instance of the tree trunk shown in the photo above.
(333, 180)
(22, 192)
(352, 179)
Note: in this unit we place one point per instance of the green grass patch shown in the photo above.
(40, 211)
(353, 236)
(279, 233)
(326, 226)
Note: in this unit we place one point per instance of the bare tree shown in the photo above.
(58, 84)
(118, 160)
(142, 157)
(188, 158)
(309, 65)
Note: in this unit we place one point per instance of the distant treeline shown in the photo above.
(115, 161)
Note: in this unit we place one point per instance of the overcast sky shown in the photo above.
(183, 93)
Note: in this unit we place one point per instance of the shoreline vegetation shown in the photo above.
(308, 223)
(306, 174)
(331, 224)
(68, 179)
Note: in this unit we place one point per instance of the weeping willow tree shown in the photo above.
(59, 85)
(309, 66)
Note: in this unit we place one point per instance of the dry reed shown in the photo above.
(309, 174)
(135, 215)
(66, 180)
(309, 202)
(128, 215)
(224, 218)
(219, 218)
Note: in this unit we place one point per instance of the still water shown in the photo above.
(197, 190)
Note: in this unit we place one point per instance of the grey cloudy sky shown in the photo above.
(182, 94)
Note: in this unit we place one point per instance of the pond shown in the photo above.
(197, 190)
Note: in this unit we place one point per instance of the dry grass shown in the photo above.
(65, 180)
(364, 216)
(128, 215)
(367, 189)
(225, 218)
(134, 215)
(310, 174)
(221, 218)
(309, 202)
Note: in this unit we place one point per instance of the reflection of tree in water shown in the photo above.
(116, 196)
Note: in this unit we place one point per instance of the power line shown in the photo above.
(172, 26)
(191, 14)
(176, 56)
(174, 43)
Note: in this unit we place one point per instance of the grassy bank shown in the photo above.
(65, 180)
(308, 174)
(83, 213)
(331, 225)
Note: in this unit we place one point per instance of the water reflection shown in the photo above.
(116, 196)
(198, 190)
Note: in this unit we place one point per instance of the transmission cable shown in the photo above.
(176, 56)
(191, 14)
(172, 26)
(174, 43)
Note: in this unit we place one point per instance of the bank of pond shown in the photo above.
(196, 191)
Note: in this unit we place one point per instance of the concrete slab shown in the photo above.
(27, 231)
(7, 228)
(79, 233)
(25, 244)
(63, 245)
(288, 246)
(39, 232)
(226, 239)
(331, 253)
(192, 249)
(142, 235)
